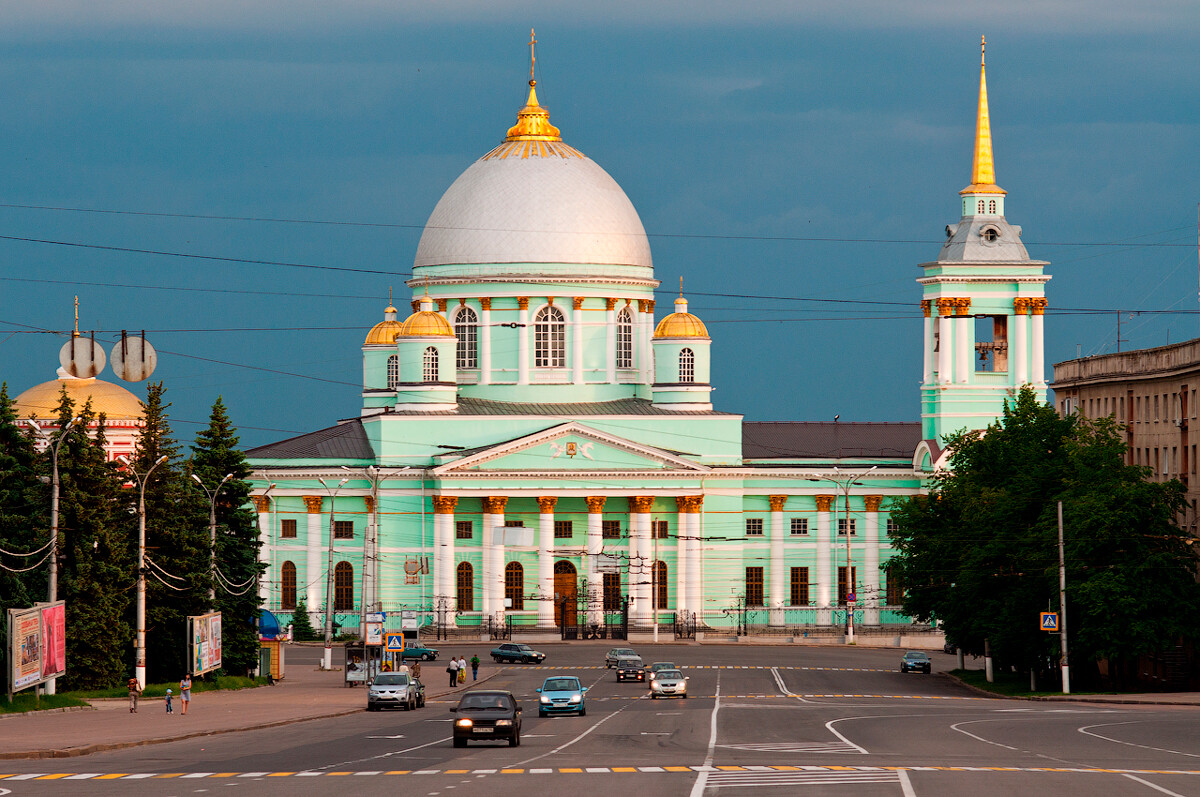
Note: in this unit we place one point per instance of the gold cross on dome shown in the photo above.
(532, 58)
(982, 48)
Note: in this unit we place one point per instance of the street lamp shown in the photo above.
(212, 533)
(327, 662)
(139, 666)
(845, 485)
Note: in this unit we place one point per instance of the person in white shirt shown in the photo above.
(452, 668)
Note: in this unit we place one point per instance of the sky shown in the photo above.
(246, 180)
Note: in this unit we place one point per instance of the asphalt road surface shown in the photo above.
(759, 720)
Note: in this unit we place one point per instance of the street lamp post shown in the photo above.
(140, 651)
(212, 533)
(327, 661)
(845, 485)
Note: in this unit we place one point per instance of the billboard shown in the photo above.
(204, 642)
(37, 644)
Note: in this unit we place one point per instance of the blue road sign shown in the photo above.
(1049, 621)
(393, 641)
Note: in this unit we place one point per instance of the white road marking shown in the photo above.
(656, 733)
(978, 738)
(792, 747)
(783, 688)
(775, 779)
(905, 784)
(562, 747)
(1154, 786)
(702, 780)
(829, 727)
(1084, 730)
(400, 736)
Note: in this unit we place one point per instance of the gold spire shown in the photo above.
(983, 169)
(533, 121)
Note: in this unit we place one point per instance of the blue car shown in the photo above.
(562, 695)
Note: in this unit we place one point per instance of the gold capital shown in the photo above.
(689, 504)
(369, 500)
(945, 306)
(610, 304)
(485, 302)
(523, 302)
(546, 504)
(1021, 305)
(441, 304)
(649, 305)
(313, 504)
(577, 302)
(640, 504)
(494, 504)
(444, 504)
(777, 502)
(1038, 306)
(595, 504)
(872, 502)
(261, 503)
(824, 502)
(926, 307)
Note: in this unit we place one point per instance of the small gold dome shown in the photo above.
(385, 331)
(533, 121)
(425, 323)
(680, 324)
(114, 401)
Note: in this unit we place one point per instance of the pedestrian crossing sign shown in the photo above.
(393, 641)
(1049, 621)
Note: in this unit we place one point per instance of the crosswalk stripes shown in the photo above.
(704, 667)
(775, 778)
(795, 747)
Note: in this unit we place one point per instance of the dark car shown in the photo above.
(916, 661)
(487, 715)
(517, 652)
(630, 669)
(395, 690)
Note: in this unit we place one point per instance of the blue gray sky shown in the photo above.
(778, 153)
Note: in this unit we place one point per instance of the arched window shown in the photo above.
(514, 584)
(660, 585)
(393, 371)
(429, 370)
(343, 587)
(612, 592)
(549, 338)
(981, 206)
(991, 206)
(625, 338)
(687, 366)
(466, 587)
(466, 329)
(287, 586)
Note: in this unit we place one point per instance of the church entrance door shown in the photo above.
(566, 597)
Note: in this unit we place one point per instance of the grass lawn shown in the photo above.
(28, 701)
(1010, 684)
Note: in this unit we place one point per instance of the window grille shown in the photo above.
(393, 371)
(287, 586)
(610, 529)
(895, 586)
(343, 529)
(343, 587)
(464, 529)
(799, 525)
(465, 584)
(466, 329)
(430, 365)
(563, 529)
(612, 592)
(659, 529)
(754, 586)
(287, 528)
(549, 338)
(660, 585)
(843, 587)
(687, 366)
(754, 527)
(799, 586)
(514, 585)
(842, 527)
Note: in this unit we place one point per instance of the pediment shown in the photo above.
(570, 447)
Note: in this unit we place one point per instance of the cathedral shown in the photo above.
(538, 444)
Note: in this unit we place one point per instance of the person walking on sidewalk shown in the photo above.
(168, 699)
(135, 689)
(475, 667)
(462, 670)
(185, 692)
(452, 668)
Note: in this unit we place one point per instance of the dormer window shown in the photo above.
(981, 206)
(989, 234)
(991, 206)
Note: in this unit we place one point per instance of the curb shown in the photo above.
(1094, 699)
(73, 752)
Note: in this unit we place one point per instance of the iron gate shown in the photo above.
(685, 625)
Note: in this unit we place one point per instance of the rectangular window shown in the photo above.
(612, 592)
(514, 524)
(464, 529)
(1156, 407)
(799, 586)
(892, 527)
(895, 587)
(562, 529)
(514, 584)
(610, 529)
(754, 586)
(846, 588)
(842, 527)
(343, 529)
(799, 526)
(1137, 412)
(754, 527)
(659, 529)
(287, 529)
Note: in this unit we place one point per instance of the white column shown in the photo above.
(577, 340)
(1020, 345)
(610, 337)
(870, 577)
(494, 551)
(681, 555)
(314, 574)
(945, 350)
(776, 578)
(523, 341)
(487, 523)
(262, 505)
(595, 547)
(485, 341)
(444, 572)
(927, 359)
(695, 551)
(825, 539)
(1037, 360)
(641, 558)
(963, 349)
(646, 358)
(545, 617)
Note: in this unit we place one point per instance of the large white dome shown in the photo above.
(532, 200)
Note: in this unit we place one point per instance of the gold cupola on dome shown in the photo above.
(425, 323)
(681, 323)
(533, 121)
(384, 333)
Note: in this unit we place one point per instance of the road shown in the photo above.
(762, 720)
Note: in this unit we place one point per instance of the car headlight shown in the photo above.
(655, 685)
(464, 723)
(576, 698)
(681, 686)
(503, 722)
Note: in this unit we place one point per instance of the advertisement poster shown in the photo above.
(27, 641)
(54, 641)
(205, 642)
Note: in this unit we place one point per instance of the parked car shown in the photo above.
(517, 652)
(916, 661)
(562, 694)
(949, 647)
(660, 665)
(424, 654)
(668, 683)
(395, 690)
(629, 668)
(487, 715)
(616, 654)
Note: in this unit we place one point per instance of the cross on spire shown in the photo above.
(982, 49)
(532, 57)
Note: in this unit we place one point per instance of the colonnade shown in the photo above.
(954, 359)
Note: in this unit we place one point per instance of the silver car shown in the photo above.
(616, 654)
(668, 683)
(395, 690)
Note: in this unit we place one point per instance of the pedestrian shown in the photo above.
(169, 709)
(403, 667)
(416, 670)
(135, 689)
(452, 668)
(462, 670)
(475, 667)
(185, 692)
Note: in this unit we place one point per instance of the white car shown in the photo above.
(395, 690)
(668, 683)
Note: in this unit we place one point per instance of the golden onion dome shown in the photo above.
(385, 331)
(533, 121)
(680, 324)
(114, 401)
(425, 323)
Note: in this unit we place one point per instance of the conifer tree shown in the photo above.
(214, 456)
(302, 627)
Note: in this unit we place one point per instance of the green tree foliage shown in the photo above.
(979, 552)
(302, 627)
(214, 456)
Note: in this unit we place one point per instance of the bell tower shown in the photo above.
(984, 303)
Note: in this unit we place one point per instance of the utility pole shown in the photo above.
(139, 666)
(1062, 606)
(845, 485)
(327, 661)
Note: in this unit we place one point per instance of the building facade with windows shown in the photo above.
(538, 441)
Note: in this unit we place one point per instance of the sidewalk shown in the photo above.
(304, 694)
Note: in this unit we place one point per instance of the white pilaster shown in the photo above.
(641, 557)
(775, 579)
(595, 547)
(824, 541)
(870, 576)
(1020, 360)
(927, 359)
(1038, 361)
(945, 350)
(646, 358)
(546, 562)
(487, 523)
(314, 574)
(523, 342)
(610, 338)
(696, 580)
(963, 349)
(681, 560)
(443, 556)
(266, 548)
(577, 332)
(485, 343)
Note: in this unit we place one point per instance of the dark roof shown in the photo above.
(798, 440)
(628, 406)
(344, 441)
